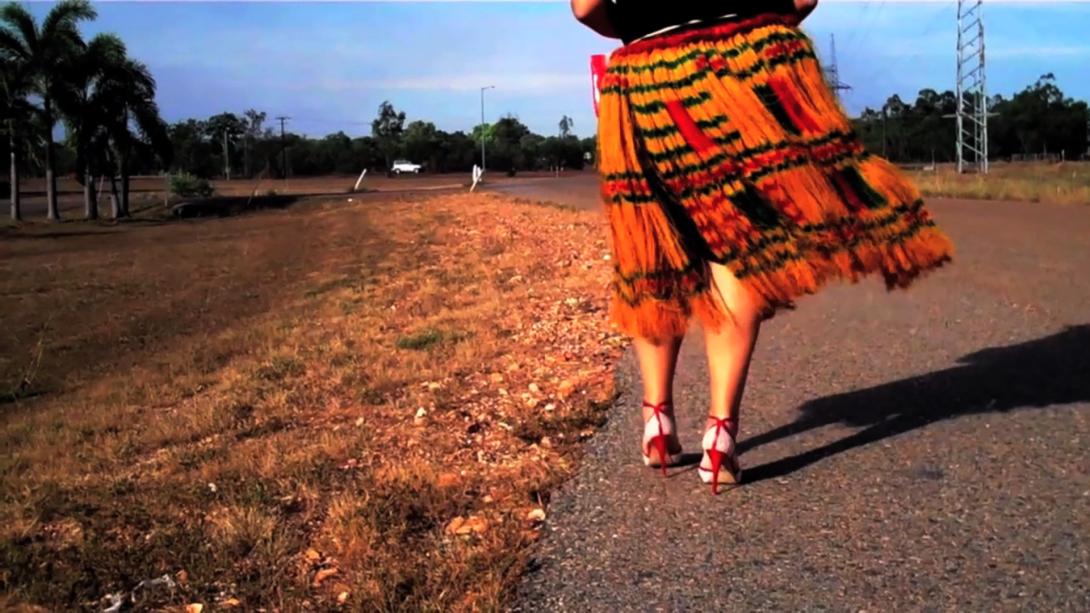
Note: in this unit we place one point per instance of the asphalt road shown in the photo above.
(920, 450)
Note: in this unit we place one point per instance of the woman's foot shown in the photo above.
(661, 447)
(720, 461)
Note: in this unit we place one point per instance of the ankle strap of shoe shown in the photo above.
(663, 407)
(730, 424)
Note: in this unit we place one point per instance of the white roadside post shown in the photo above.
(478, 173)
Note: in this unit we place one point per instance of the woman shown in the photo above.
(733, 184)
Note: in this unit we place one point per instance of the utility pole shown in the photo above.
(16, 204)
(885, 120)
(283, 147)
(832, 72)
(972, 111)
(482, 124)
(226, 156)
(1088, 133)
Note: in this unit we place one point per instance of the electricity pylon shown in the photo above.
(972, 111)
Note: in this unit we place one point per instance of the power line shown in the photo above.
(880, 70)
(863, 25)
(332, 121)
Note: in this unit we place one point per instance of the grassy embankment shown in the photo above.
(361, 403)
(1065, 183)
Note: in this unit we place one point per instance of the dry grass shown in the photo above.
(341, 404)
(1063, 183)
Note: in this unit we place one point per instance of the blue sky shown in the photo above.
(329, 65)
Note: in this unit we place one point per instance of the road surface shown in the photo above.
(920, 450)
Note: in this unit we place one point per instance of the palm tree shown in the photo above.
(16, 113)
(131, 121)
(82, 103)
(46, 50)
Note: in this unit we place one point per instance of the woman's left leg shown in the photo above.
(658, 361)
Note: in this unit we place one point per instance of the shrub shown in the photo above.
(428, 338)
(186, 185)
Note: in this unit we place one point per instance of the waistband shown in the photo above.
(703, 31)
(684, 25)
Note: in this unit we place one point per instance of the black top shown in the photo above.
(635, 18)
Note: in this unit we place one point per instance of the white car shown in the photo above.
(401, 166)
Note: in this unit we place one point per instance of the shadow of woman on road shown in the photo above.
(1049, 371)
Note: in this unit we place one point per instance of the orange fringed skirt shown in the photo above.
(724, 144)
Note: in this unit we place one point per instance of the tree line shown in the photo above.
(246, 146)
(1038, 122)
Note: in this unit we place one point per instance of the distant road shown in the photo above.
(150, 189)
(578, 189)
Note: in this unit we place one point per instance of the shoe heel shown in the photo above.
(657, 432)
(717, 460)
(659, 443)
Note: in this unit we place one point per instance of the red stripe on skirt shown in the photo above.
(799, 116)
(691, 132)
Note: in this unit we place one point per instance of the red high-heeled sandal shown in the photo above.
(720, 451)
(658, 433)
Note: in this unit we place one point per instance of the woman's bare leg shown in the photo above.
(730, 348)
(658, 361)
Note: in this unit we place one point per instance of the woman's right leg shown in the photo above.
(730, 348)
(658, 361)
